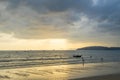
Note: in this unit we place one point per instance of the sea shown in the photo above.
(14, 59)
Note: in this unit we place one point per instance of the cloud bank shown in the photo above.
(75, 20)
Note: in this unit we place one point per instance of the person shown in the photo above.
(101, 60)
(90, 57)
(83, 61)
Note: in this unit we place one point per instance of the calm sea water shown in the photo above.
(10, 59)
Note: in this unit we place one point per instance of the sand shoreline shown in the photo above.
(101, 77)
(62, 72)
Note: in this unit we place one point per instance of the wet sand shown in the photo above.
(63, 72)
(104, 77)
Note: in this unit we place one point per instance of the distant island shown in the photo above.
(99, 48)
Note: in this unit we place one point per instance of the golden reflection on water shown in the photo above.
(58, 72)
(51, 73)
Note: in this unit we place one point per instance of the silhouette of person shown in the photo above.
(90, 57)
(102, 60)
(83, 61)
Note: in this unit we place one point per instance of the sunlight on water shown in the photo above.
(59, 72)
(56, 65)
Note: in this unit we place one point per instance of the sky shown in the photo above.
(58, 24)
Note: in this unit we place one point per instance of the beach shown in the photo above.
(104, 77)
(58, 65)
(63, 72)
(59, 39)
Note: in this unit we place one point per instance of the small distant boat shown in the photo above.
(77, 56)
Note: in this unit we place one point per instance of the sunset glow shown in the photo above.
(60, 24)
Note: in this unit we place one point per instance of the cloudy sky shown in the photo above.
(58, 24)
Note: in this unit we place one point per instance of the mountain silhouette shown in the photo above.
(99, 48)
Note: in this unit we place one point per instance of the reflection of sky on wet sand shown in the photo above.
(60, 72)
(50, 73)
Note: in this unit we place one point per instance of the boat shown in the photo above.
(77, 56)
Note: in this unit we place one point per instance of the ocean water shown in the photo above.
(12, 59)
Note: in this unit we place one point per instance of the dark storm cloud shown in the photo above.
(79, 19)
(54, 5)
(103, 10)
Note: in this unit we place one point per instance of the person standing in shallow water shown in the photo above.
(83, 61)
(101, 60)
(90, 57)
